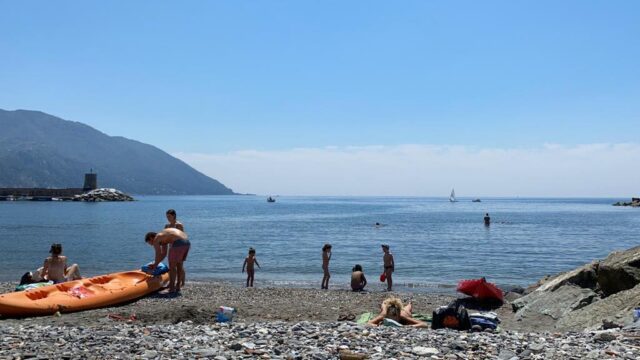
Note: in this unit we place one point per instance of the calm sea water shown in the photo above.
(435, 243)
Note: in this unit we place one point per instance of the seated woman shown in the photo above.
(358, 281)
(392, 309)
(55, 268)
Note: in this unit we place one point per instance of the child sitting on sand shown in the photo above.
(55, 267)
(326, 257)
(358, 281)
(248, 263)
(392, 309)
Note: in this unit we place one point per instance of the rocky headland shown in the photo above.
(635, 202)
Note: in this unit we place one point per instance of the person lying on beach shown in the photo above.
(326, 257)
(55, 267)
(248, 264)
(172, 218)
(389, 266)
(358, 281)
(392, 309)
(178, 246)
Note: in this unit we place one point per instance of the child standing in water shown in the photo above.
(389, 265)
(326, 257)
(248, 263)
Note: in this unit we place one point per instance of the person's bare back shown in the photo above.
(169, 235)
(54, 268)
(249, 262)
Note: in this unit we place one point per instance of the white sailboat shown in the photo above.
(452, 197)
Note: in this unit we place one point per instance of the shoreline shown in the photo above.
(286, 323)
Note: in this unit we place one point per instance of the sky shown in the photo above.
(494, 98)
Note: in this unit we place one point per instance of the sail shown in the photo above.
(452, 197)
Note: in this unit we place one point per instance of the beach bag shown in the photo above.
(159, 270)
(483, 323)
(225, 314)
(454, 316)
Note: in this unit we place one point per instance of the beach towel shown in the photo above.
(422, 317)
(366, 317)
(33, 286)
(491, 316)
(390, 322)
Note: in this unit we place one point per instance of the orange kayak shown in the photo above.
(79, 295)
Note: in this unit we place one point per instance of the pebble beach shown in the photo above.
(287, 323)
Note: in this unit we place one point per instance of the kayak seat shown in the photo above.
(37, 295)
(101, 279)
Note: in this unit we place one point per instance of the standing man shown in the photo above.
(178, 244)
(172, 218)
(487, 219)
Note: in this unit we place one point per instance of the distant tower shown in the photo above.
(90, 181)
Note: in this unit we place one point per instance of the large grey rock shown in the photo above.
(553, 303)
(585, 277)
(619, 271)
(616, 307)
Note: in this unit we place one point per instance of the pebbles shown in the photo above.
(278, 340)
(278, 323)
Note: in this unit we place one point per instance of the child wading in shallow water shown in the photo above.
(326, 257)
(389, 265)
(248, 263)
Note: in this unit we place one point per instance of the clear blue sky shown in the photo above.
(218, 76)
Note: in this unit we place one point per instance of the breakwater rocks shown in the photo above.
(598, 295)
(103, 194)
(303, 340)
(635, 202)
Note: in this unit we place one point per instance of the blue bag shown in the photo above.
(484, 323)
(159, 270)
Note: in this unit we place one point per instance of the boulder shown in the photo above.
(619, 271)
(582, 277)
(512, 296)
(553, 302)
(617, 308)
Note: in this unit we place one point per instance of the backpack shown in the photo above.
(453, 316)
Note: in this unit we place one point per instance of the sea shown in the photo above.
(435, 243)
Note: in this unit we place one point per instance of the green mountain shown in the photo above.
(41, 150)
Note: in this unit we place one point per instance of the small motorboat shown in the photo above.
(480, 289)
(476, 200)
(271, 200)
